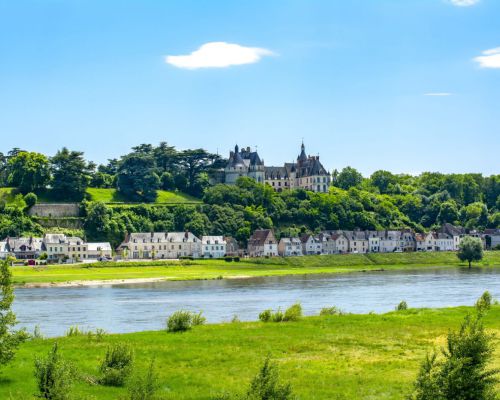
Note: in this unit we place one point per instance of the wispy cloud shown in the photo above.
(218, 55)
(489, 59)
(438, 94)
(464, 3)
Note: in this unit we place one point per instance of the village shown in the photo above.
(58, 248)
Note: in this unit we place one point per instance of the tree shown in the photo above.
(382, 179)
(9, 339)
(167, 181)
(448, 212)
(462, 372)
(136, 177)
(470, 249)
(348, 177)
(71, 175)
(29, 171)
(194, 162)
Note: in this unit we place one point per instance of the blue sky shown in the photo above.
(350, 77)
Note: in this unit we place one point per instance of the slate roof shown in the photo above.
(260, 236)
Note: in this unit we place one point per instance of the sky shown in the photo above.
(406, 86)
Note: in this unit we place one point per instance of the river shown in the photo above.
(138, 307)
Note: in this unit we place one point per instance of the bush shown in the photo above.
(278, 316)
(228, 259)
(293, 313)
(30, 199)
(237, 259)
(198, 319)
(330, 311)
(144, 387)
(181, 321)
(267, 385)
(402, 306)
(484, 302)
(265, 316)
(74, 330)
(54, 376)
(117, 365)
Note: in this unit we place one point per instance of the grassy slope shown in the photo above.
(110, 196)
(338, 357)
(164, 197)
(212, 269)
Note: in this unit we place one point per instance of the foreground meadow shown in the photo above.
(216, 269)
(328, 357)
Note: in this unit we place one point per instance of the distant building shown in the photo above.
(4, 252)
(162, 245)
(232, 246)
(97, 251)
(24, 248)
(213, 246)
(311, 245)
(288, 247)
(492, 238)
(307, 172)
(262, 243)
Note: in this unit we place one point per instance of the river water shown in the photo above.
(138, 307)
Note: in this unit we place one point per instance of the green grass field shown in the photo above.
(108, 196)
(345, 357)
(164, 197)
(214, 269)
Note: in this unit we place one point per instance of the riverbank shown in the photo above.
(332, 357)
(151, 271)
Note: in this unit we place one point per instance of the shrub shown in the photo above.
(278, 316)
(181, 321)
(329, 311)
(293, 313)
(74, 330)
(265, 316)
(402, 306)
(30, 199)
(228, 259)
(197, 319)
(484, 302)
(462, 371)
(267, 385)
(37, 333)
(237, 259)
(144, 387)
(117, 365)
(54, 376)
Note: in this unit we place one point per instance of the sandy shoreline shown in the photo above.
(107, 282)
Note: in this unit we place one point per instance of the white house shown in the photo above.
(311, 245)
(358, 242)
(213, 246)
(290, 247)
(97, 251)
(390, 241)
(161, 245)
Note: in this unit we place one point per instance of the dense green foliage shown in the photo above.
(70, 175)
(181, 321)
(117, 365)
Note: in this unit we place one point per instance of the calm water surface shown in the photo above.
(138, 307)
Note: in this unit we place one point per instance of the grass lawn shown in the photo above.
(213, 269)
(334, 357)
(164, 197)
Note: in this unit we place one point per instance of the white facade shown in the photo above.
(311, 245)
(97, 251)
(213, 246)
(288, 247)
(4, 253)
(160, 245)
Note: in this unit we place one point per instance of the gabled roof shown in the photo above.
(260, 236)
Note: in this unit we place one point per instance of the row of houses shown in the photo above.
(263, 243)
(57, 248)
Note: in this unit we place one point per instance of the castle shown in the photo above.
(306, 173)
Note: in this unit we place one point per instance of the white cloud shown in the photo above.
(489, 59)
(464, 3)
(438, 94)
(218, 55)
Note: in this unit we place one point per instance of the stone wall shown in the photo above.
(56, 210)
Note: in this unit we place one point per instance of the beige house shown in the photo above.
(288, 247)
(213, 246)
(98, 251)
(160, 245)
